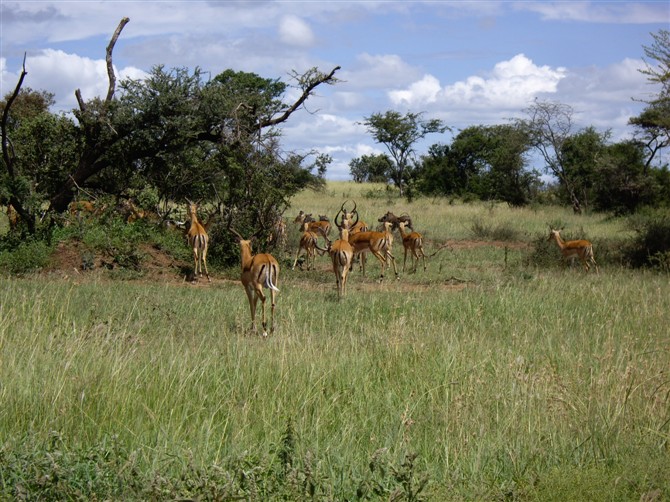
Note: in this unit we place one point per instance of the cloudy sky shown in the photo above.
(467, 63)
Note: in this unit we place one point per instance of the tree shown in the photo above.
(182, 135)
(504, 154)
(653, 124)
(580, 154)
(399, 133)
(370, 168)
(485, 161)
(549, 125)
(621, 183)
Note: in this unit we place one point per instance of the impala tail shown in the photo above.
(265, 275)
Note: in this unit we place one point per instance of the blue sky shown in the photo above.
(467, 63)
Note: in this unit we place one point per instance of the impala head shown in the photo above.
(345, 220)
(554, 233)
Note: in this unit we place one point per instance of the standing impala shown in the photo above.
(259, 272)
(309, 243)
(377, 243)
(198, 242)
(412, 242)
(581, 249)
(342, 255)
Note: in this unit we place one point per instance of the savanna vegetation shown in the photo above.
(500, 372)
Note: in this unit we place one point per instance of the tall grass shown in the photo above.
(483, 378)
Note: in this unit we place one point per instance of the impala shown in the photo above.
(342, 254)
(309, 243)
(13, 217)
(377, 243)
(395, 220)
(198, 242)
(358, 226)
(581, 249)
(277, 237)
(323, 225)
(412, 242)
(259, 272)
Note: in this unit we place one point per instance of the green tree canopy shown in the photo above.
(400, 133)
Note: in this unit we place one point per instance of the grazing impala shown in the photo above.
(581, 249)
(377, 243)
(309, 243)
(259, 272)
(198, 242)
(412, 242)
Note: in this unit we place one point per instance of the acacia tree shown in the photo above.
(174, 120)
(653, 124)
(400, 133)
(549, 126)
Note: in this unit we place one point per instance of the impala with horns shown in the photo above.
(309, 243)
(378, 243)
(341, 254)
(412, 242)
(395, 220)
(259, 272)
(198, 241)
(359, 226)
(581, 249)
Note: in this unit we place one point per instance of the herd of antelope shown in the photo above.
(355, 240)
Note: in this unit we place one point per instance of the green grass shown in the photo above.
(484, 378)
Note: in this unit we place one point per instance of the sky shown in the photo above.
(466, 63)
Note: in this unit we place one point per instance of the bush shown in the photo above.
(27, 256)
(503, 232)
(651, 247)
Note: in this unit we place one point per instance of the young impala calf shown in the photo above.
(581, 249)
(259, 272)
(198, 242)
(412, 242)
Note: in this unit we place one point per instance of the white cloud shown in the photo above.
(62, 73)
(599, 12)
(294, 31)
(511, 84)
(423, 91)
(376, 71)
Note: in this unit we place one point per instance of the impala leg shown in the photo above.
(252, 306)
(261, 296)
(272, 311)
(423, 255)
(296, 259)
(390, 256)
(204, 262)
(404, 262)
(382, 262)
(195, 264)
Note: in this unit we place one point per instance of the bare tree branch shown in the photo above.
(309, 83)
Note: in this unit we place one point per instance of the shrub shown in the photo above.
(651, 247)
(27, 256)
(502, 232)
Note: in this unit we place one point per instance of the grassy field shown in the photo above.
(484, 378)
